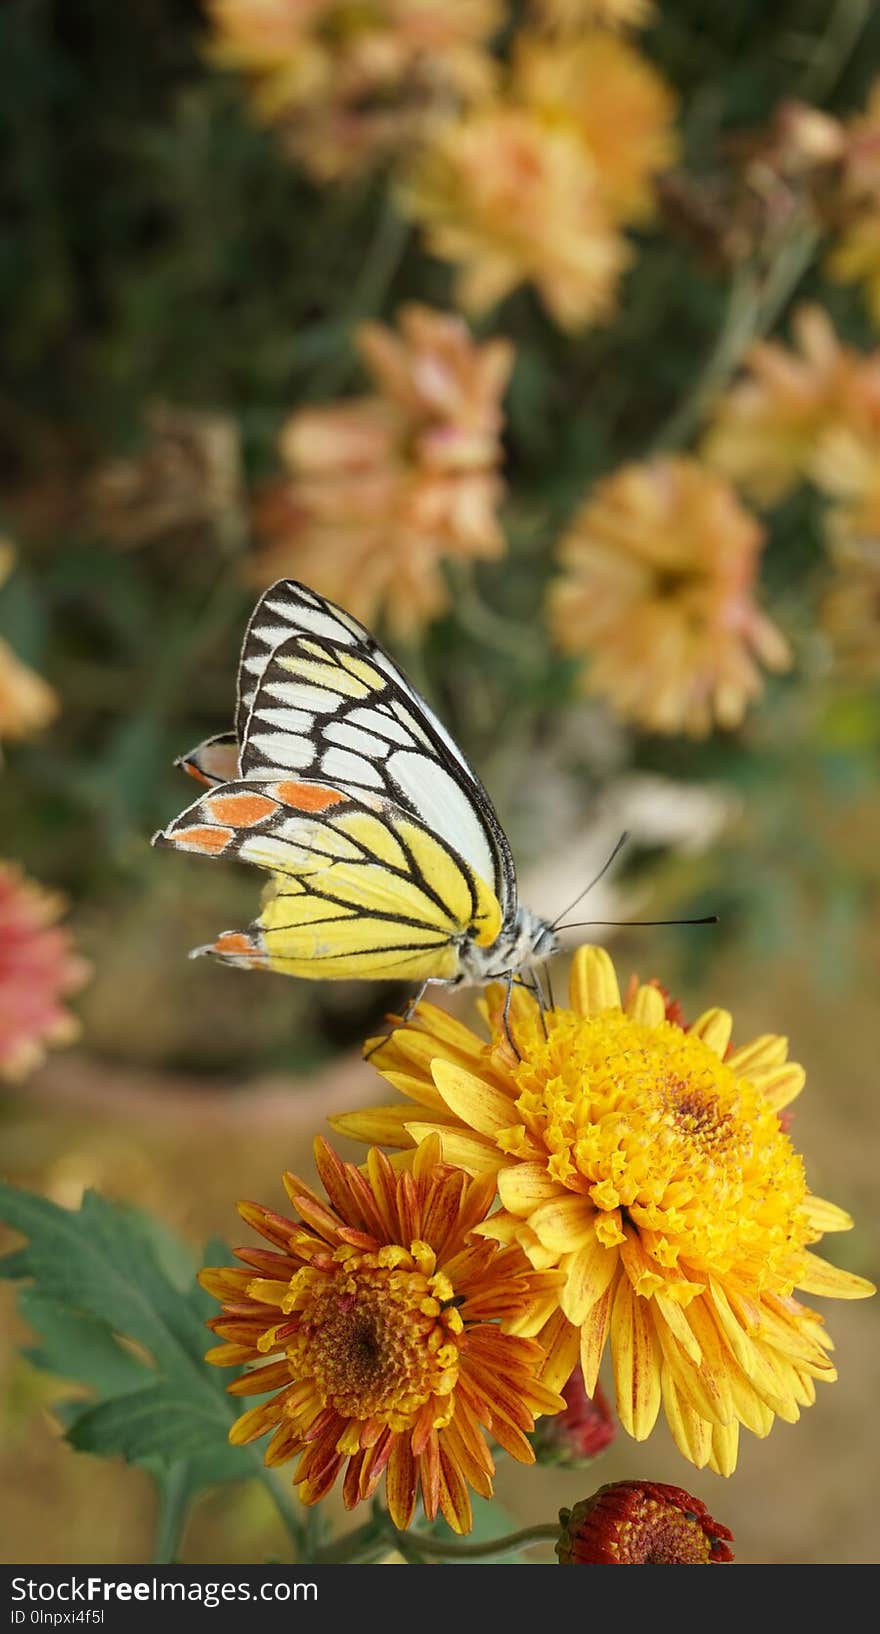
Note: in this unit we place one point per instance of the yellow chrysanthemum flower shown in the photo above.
(647, 1162)
(388, 1322)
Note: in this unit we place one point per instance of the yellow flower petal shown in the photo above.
(648, 1006)
(818, 1277)
(714, 1027)
(593, 982)
(594, 1333)
(378, 1125)
(780, 1085)
(561, 1342)
(565, 1224)
(770, 1050)
(466, 1152)
(525, 1186)
(691, 1433)
(482, 1107)
(825, 1216)
(588, 1273)
(636, 1362)
(725, 1446)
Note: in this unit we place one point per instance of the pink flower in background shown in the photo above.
(38, 970)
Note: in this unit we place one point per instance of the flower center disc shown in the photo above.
(374, 1338)
(648, 1119)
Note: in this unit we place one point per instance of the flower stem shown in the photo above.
(293, 1526)
(174, 1496)
(370, 1538)
(509, 1544)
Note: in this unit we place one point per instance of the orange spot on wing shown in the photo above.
(235, 942)
(193, 770)
(211, 840)
(308, 796)
(241, 810)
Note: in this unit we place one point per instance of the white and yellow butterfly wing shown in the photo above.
(360, 887)
(318, 698)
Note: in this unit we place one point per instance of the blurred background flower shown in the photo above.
(382, 488)
(38, 972)
(27, 702)
(656, 591)
(245, 236)
(348, 84)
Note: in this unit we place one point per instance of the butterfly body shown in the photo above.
(385, 857)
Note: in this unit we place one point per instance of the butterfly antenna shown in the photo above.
(583, 924)
(587, 888)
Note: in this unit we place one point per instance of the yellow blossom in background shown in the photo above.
(850, 608)
(382, 488)
(615, 100)
(511, 199)
(533, 185)
(570, 16)
(765, 431)
(27, 702)
(647, 1162)
(656, 595)
(38, 971)
(847, 468)
(855, 257)
(380, 1325)
(348, 84)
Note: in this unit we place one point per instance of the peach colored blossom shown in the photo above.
(381, 489)
(656, 596)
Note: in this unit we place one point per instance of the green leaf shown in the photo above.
(77, 1347)
(162, 1421)
(117, 1308)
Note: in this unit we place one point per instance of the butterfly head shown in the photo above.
(526, 940)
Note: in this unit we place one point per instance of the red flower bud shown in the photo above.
(641, 1523)
(581, 1432)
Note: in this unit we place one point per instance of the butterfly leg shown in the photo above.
(408, 1013)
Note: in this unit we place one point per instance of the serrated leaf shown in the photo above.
(103, 1275)
(98, 1260)
(161, 1421)
(76, 1346)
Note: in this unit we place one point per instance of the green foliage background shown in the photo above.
(159, 248)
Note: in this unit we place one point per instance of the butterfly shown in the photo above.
(385, 855)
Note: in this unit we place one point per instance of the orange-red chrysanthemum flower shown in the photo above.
(642, 1523)
(27, 702)
(383, 488)
(38, 970)
(656, 595)
(348, 84)
(649, 1164)
(387, 1321)
(765, 431)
